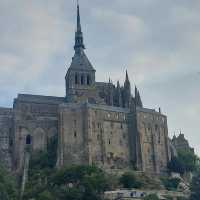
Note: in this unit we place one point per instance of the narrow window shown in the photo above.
(76, 78)
(159, 137)
(75, 134)
(156, 127)
(82, 79)
(121, 126)
(109, 142)
(88, 80)
(28, 139)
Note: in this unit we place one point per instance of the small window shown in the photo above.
(82, 80)
(156, 127)
(76, 78)
(159, 137)
(99, 125)
(109, 142)
(75, 134)
(88, 80)
(121, 126)
(28, 139)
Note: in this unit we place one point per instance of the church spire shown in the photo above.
(79, 45)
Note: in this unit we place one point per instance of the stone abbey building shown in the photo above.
(96, 123)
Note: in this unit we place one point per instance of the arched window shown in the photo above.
(76, 78)
(82, 79)
(88, 79)
(28, 139)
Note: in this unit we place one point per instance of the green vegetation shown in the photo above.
(195, 187)
(73, 183)
(129, 180)
(8, 189)
(151, 197)
(186, 161)
(170, 183)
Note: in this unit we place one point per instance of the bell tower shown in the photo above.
(80, 77)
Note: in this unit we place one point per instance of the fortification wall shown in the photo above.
(6, 117)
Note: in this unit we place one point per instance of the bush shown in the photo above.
(8, 189)
(69, 183)
(171, 183)
(186, 161)
(175, 165)
(129, 180)
(151, 197)
(195, 187)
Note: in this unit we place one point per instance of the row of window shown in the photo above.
(82, 79)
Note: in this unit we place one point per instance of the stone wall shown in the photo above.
(91, 134)
(5, 133)
(153, 140)
(35, 121)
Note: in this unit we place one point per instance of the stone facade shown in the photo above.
(96, 123)
(5, 136)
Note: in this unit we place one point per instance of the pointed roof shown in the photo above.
(80, 60)
(78, 35)
(127, 78)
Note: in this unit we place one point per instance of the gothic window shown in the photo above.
(156, 127)
(28, 139)
(82, 79)
(88, 80)
(76, 78)
(159, 137)
(75, 134)
(121, 126)
(109, 142)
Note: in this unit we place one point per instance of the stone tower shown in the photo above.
(80, 77)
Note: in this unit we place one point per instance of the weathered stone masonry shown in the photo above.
(96, 123)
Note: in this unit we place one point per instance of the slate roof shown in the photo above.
(81, 62)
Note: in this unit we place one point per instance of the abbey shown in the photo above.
(96, 123)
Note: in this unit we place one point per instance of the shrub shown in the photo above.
(8, 189)
(195, 187)
(129, 180)
(151, 197)
(171, 183)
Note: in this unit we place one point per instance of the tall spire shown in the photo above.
(79, 45)
(127, 79)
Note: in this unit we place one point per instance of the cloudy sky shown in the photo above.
(157, 41)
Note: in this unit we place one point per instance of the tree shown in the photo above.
(175, 165)
(129, 180)
(186, 161)
(68, 183)
(195, 187)
(8, 189)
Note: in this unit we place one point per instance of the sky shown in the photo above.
(157, 41)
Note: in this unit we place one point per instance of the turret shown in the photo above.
(127, 92)
(138, 100)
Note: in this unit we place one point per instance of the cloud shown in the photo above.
(157, 41)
